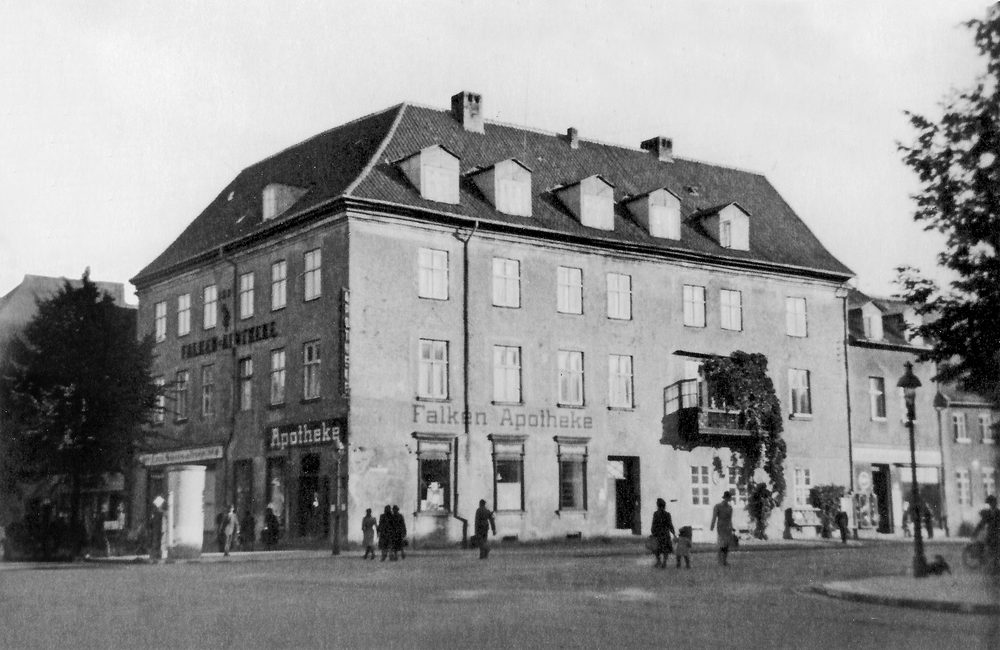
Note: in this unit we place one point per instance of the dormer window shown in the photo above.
(659, 212)
(434, 172)
(732, 225)
(277, 198)
(592, 202)
(871, 317)
(507, 186)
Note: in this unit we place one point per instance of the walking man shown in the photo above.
(484, 523)
(400, 532)
(230, 529)
(722, 514)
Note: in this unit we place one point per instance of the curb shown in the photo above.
(912, 603)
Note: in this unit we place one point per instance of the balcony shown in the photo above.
(693, 418)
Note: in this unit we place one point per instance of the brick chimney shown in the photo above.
(661, 147)
(467, 109)
(573, 137)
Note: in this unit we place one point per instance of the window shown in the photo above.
(986, 432)
(571, 377)
(963, 487)
(207, 390)
(572, 457)
(279, 285)
(619, 296)
(433, 274)
(694, 306)
(278, 376)
(570, 296)
(699, 485)
(798, 385)
(958, 427)
(246, 383)
(184, 314)
(691, 391)
(803, 482)
(181, 395)
(434, 474)
(432, 382)
(506, 283)
(989, 482)
(508, 472)
(795, 316)
(734, 487)
(506, 374)
(161, 400)
(620, 381)
(210, 299)
(731, 304)
(876, 397)
(726, 234)
(310, 370)
(161, 321)
(246, 295)
(313, 276)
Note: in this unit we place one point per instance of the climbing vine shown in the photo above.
(740, 382)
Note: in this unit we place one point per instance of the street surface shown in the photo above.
(587, 597)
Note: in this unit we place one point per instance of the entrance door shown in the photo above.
(627, 498)
(882, 487)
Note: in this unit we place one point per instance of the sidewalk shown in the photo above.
(966, 593)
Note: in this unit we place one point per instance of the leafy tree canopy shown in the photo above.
(76, 390)
(957, 159)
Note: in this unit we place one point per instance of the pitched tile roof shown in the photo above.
(356, 161)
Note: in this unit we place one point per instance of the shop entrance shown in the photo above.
(625, 472)
(882, 487)
(313, 512)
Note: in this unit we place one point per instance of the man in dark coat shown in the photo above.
(484, 523)
(662, 530)
(399, 539)
(386, 533)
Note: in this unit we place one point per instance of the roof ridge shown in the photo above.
(378, 151)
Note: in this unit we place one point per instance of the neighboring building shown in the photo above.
(478, 310)
(17, 308)
(968, 432)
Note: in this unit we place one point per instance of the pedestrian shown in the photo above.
(790, 523)
(662, 530)
(272, 529)
(368, 532)
(248, 526)
(906, 519)
(484, 523)
(722, 514)
(683, 547)
(230, 529)
(928, 516)
(386, 525)
(220, 537)
(400, 534)
(989, 525)
(842, 521)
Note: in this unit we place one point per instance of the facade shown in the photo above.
(967, 426)
(424, 308)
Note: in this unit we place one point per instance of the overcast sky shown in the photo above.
(120, 122)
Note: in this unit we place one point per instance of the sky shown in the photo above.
(120, 122)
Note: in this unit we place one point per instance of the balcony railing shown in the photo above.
(692, 413)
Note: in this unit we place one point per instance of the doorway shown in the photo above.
(313, 499)
(882, 487)
(624, 470)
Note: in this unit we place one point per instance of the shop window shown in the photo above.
(434, 474)
(569, 299)
(694, 305)
(572, 458)
(508, 472)
(700, 485)
(210, 300)
(312, 275)
(276, 487)
(279, 285)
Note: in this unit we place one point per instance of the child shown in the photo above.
(683, 547)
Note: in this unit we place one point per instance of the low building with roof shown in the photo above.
(426, 308)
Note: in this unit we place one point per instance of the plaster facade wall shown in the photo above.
(388, 320)
(976, 457)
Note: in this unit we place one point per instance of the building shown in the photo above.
(426, 308)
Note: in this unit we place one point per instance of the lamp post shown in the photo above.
(910, 383)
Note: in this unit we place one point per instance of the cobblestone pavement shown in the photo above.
(544, 597)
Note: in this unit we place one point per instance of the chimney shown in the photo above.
(467, 109)
(662, 148)
(574, 138)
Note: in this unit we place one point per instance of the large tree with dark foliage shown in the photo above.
(957, 158)
(75, 392)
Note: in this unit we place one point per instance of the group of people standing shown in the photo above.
(665, 541)
(231, 531)
(391, 529)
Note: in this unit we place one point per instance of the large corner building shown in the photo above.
(425, 308)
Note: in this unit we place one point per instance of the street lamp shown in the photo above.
(910, 383)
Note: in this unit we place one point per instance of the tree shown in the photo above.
(76, 392)
(826, 499)
(740, 383)
(957, 159)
